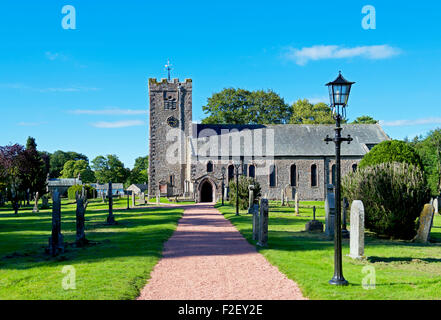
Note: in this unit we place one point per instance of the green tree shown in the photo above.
(365, 120)
(139, 173)
(33, 171)
(240, 106)
(73, 168)
(59, 158)
(304, 112)
(109, 168)
(429, 150)
(391, 151)
(244, 182)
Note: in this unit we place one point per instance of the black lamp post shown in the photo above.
(339, 90)
(236, 172)
(223, 183)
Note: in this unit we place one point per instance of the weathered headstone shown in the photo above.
(296, 200)
(56, 243)
(255, 212)
(142, 198)
(263, 223)
(80, 215)
(314, 225)
(356, 241)
(425, 221)
(37, 198)
(436, 205)
(250, 198)
(110, 217)
(329, 212)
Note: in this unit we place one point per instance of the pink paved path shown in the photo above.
(208, 259)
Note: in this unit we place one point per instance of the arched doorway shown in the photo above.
(206, 191)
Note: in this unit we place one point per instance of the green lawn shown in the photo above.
(165, 200)
(404, 270)
(116, 267)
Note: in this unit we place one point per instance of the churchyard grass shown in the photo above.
(404, 270)
(116, 267)
(167, 201)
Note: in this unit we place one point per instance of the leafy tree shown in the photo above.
(240, 106)
(74, 168)
(139, 173)
(365, 120)
(33, 173)
(244, 182)
(391, 151)
(429, 150)
(109, 168)
(59, 158)
(305, 112)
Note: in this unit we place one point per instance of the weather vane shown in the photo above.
(168, 67)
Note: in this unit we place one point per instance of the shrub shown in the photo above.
(393, 196)
(391, 151)
(244, 182)
(71, 192)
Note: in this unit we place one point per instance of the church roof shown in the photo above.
(289, 139)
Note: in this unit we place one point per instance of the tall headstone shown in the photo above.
(250, 198)
(142, 198)
(56, 243)
(256, 225)
(81, 240)
(356, 241)
(110, 217)
(436, 205)
(296, 200)
(37, 198)
(263, 223)
(329, 212)
(425, 221)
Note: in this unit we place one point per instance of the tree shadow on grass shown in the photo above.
(375, 259)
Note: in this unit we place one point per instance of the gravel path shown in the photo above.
(208, 259)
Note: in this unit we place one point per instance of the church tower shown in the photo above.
(170, 125)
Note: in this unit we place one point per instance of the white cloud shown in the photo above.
(52, 56)
(414, 122)
(118, 124)
(110, 111)
(31, 124)
(320, 52)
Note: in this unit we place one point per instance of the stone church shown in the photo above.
(186, 158)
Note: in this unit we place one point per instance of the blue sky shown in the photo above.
(85, 90)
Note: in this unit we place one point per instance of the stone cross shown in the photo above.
(356, 241)
(80, 215)
(250, 197)
(330, 213)
(263, 223)
(37, 198)
(56, 243)
(314, 225)
(296, 201)
(426, 217)
(110, 217)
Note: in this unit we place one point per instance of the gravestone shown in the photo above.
(282, 198)
(263, 223)
(103, 195)
(425, 221)
(36, 199)
(56, 243)
(110, 217)
(356, 241)
(250, 198)
(142, 198)
(344, 231)
(157, 200)
(329, 212)
(314, 225)
(44, 202)
(133, 199)
(296, 200)
(255, 212)
(436, 205)
(81, 240)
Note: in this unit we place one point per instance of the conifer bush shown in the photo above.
(244, 182)
(393, 196)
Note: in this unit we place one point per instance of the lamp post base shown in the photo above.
(338, 281)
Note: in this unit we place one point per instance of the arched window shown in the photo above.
(230, 172)
(252, 171)
(272, 176)
(354, 167)
(314, 175)
(333, 175)
(210, 166)
(293, 175)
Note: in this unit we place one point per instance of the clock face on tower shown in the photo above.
(173, 122)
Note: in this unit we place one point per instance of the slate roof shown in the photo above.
(298, 139)
(141, 187)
